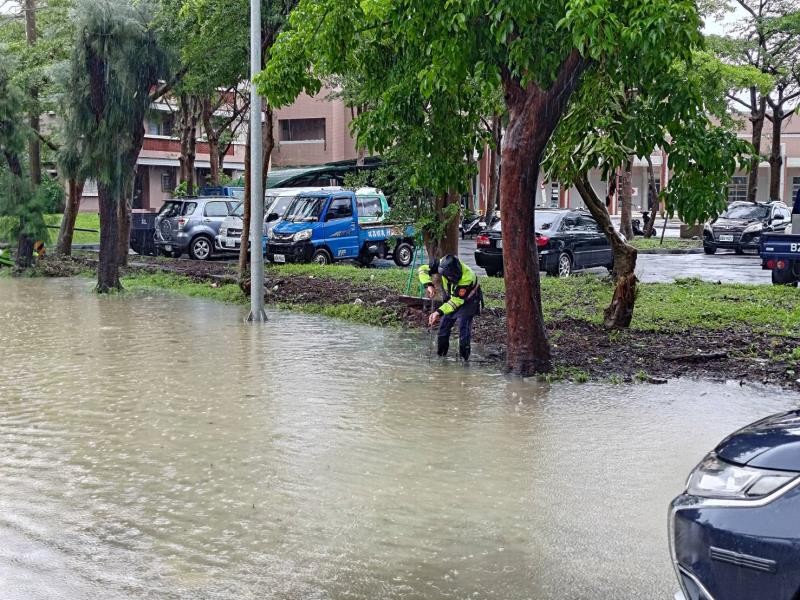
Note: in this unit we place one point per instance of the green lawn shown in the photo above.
(669, 243)
(84, 221)
(687, 304)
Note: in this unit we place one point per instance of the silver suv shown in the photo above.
(190, 225)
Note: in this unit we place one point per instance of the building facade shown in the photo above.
(313, 130)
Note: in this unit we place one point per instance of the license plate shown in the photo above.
(168, 248)
(726, 238)
(230, 243)
(279, 258)
(499, 243)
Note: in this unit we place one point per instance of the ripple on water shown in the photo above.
(155, 447)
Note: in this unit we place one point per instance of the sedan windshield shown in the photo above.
(747, 212)
(305, 208)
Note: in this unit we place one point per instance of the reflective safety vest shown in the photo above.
(456, 293)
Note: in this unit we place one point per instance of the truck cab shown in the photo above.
(326, 226)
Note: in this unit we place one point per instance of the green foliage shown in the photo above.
(181, 190)
(52, 194)
(116, 59)
(21, 207)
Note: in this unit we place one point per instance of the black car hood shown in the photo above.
(733, 224)
(772, 443)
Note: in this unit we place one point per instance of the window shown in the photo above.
(340, 208)
(586, 223)
(569, 224)
(313, 180)
(369, 207)
(302, 130)
(168, 181)
(217, 209)
(159, 123)
(555, 193)
(795, 187)
(737, 190)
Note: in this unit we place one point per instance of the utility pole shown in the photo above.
(257, 312)
(34, 149)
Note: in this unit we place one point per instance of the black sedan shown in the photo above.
(735, 531)
(568, 240)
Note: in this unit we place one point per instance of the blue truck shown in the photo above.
(323, 227)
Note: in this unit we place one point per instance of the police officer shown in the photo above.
(462, 301)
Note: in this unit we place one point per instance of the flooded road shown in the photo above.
(155, 447)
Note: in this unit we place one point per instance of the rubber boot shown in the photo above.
(443, 346)
(464, 350)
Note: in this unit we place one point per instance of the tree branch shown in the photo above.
(167, 86)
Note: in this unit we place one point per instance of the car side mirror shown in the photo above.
(272, 217)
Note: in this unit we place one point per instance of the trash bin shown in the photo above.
(143, 229)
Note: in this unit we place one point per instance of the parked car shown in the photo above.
(325, 227)
(735, 531)
(740, 227)
(568, 240)
(190, 225)
(276, 201)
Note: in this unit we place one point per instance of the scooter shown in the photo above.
(472, 225)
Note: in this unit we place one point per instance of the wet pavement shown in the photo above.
(154, 446)
(726, 267)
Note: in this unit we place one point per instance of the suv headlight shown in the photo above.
(715, 478)
(301, 236)
(223, 231)
(753, 228)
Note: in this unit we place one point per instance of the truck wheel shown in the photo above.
(709, 249)
(739, 250)
(783, 277)
(201, 248)
(492, 272)
(322, 257)
(403, 254)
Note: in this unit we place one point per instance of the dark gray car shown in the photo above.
(190, 225)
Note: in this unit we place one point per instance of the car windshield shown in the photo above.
(746, 212)
(542, 221)
(238, 210)
(279, 206)
(305, 208)
(176, 208)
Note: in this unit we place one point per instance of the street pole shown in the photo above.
(257, 313)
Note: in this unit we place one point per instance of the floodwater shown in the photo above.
(156, 447)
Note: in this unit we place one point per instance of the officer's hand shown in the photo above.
(432, 319)
(430, 291)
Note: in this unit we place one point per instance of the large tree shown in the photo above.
(767, 38)
(672, 110)
(537, 52)
(116, 63)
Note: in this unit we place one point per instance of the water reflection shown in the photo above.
(155, 447)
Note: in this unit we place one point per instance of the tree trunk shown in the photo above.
(757, 118)
(650, 226)
(243, 254)
(447, 243)
(108, 267)
(775, 158)
(620, 312)
(533, 115)
(123, 241)
(74, 193)
(34, 148)
(625, 200)
(24, 259)
(188, 121)
(212, 135)
(125, 203)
